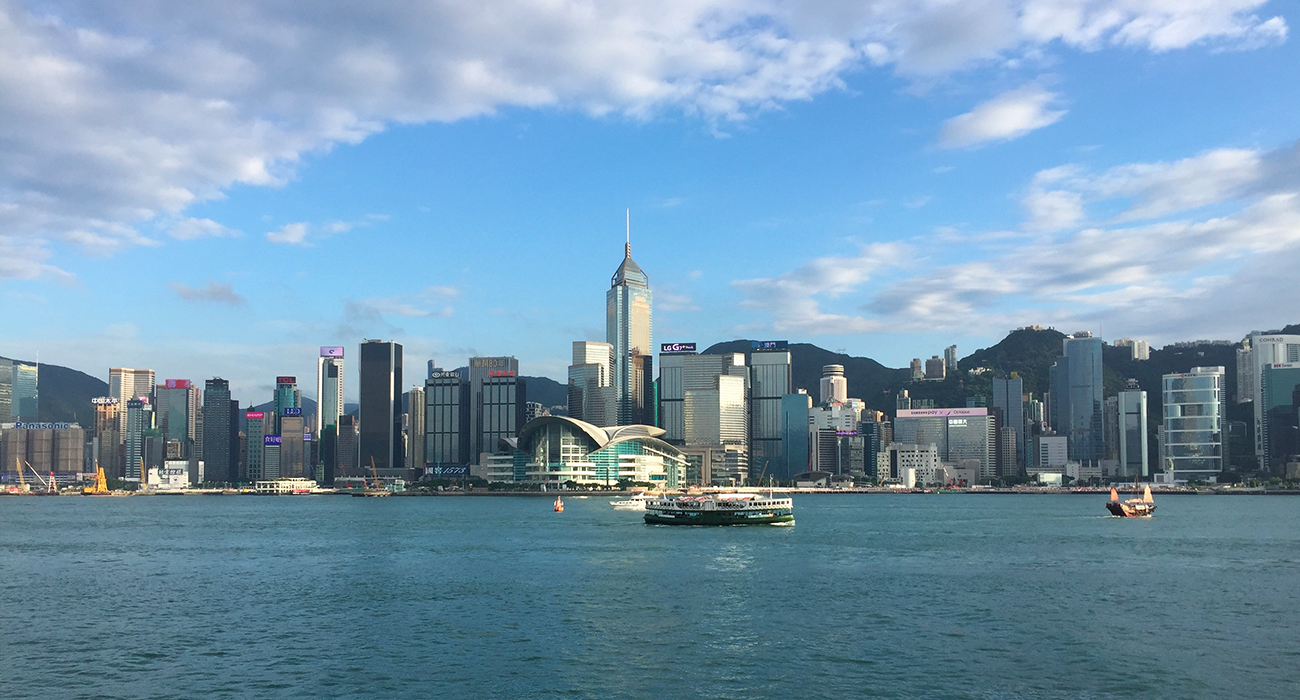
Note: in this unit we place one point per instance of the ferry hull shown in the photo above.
(717, 517)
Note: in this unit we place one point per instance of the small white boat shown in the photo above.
(636, 502)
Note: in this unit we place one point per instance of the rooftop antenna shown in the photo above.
(627, 247)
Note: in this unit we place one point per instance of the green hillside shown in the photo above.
(65, 394)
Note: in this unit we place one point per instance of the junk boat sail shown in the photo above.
(720, 509)
(1132, 508)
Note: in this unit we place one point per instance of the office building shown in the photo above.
(592, 396)
(287, 395)
(176, 413)
(415, 428)
(1245, 372)
(256, 423)
(1278, 403)
(447, 420)
(6, 392)
(717, 419)
(629, 331)
(918, 370)
(682, 371)
(910, 464)
(1051, 454)
(125, 384)
(481, 370)
(24, 392)
(1009, 399)
(380, 413)
(834, 386)
(957, 433)
(950, 358)
(1194, 407)
(1268, 350)
(220, 433)
(139, 419)
(935, 369)
(1110, 428)
(293, 445)
(348, 448)
(271, 456)
(107, 442)
(795, 409)
(1076, 400)
(329, 387)
(1131, 431)
(771, 378)
(501, 413)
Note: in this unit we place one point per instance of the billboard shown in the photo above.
(940, 412)
(270, 439)
(331, 351)
(489, 362)
(766, 345)
(676, 347)
(177, 384)
(290, 411)
(500, 373)
(104, 401)
(444, 375)
(446, 471)
(306, 437)
(254, 415)
(286, 380)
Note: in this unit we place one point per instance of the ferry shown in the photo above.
(720, 509)
(1142, 507)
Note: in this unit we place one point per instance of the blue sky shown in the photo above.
(221, 188)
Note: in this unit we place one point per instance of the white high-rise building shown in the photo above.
(1194, 441)
(629, 330)
(329, 388)
(834, 387)
(125, 384)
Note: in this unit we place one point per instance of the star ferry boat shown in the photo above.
(720, 509)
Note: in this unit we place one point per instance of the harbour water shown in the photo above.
(880, 596)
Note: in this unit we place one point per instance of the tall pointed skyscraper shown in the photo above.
(628, 329)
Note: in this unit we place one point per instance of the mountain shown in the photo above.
(65, 395)
(547, 391)
(868, 380)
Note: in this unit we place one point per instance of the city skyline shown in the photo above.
(864, 189)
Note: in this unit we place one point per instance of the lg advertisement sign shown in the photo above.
(676, 347)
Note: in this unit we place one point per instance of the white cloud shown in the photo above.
(1007, 116)
(112, 118)
(25, 260)
(291, 234)
(189, 229)
(212, 291)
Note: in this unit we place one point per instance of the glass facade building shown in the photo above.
(1009, 398)
(771, 378)
(501, 413)
(1194, 408)
(1267, 350)
(1076, 400)
(1279, 403)
(220, 452)
(380, 413)
(329, 387)
(446, 420)
(629, 331)
(1131, 416)
(26, 398)
(558, 449)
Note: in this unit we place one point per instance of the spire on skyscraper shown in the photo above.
(627, 247)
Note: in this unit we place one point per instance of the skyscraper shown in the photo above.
(1132, 431)
(1009, 397)
(592, 396)
(1267, 350)
(287, 395)
(125, 384)
(108, 442)
(176, 409)
(329, 387)
(950, 358)
(256, 423)
(6, 391)
(771, 378)
(415, 405)
(1278, 384)
(1076, 401)
(628, 328)
(446, 419)
(293, 448)
(834, 387)
(139, 419)
(220, 461)
(25, 401)
(487, 424)
(380, 413)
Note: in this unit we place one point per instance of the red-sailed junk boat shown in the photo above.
(1132, 508)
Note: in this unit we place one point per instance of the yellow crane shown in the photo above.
(22, 483)
(101, 483)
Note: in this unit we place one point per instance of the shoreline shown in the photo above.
(481, 493)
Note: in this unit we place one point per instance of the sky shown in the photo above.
(219, 188)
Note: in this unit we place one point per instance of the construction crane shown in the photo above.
(101, 483)
(50, 485)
